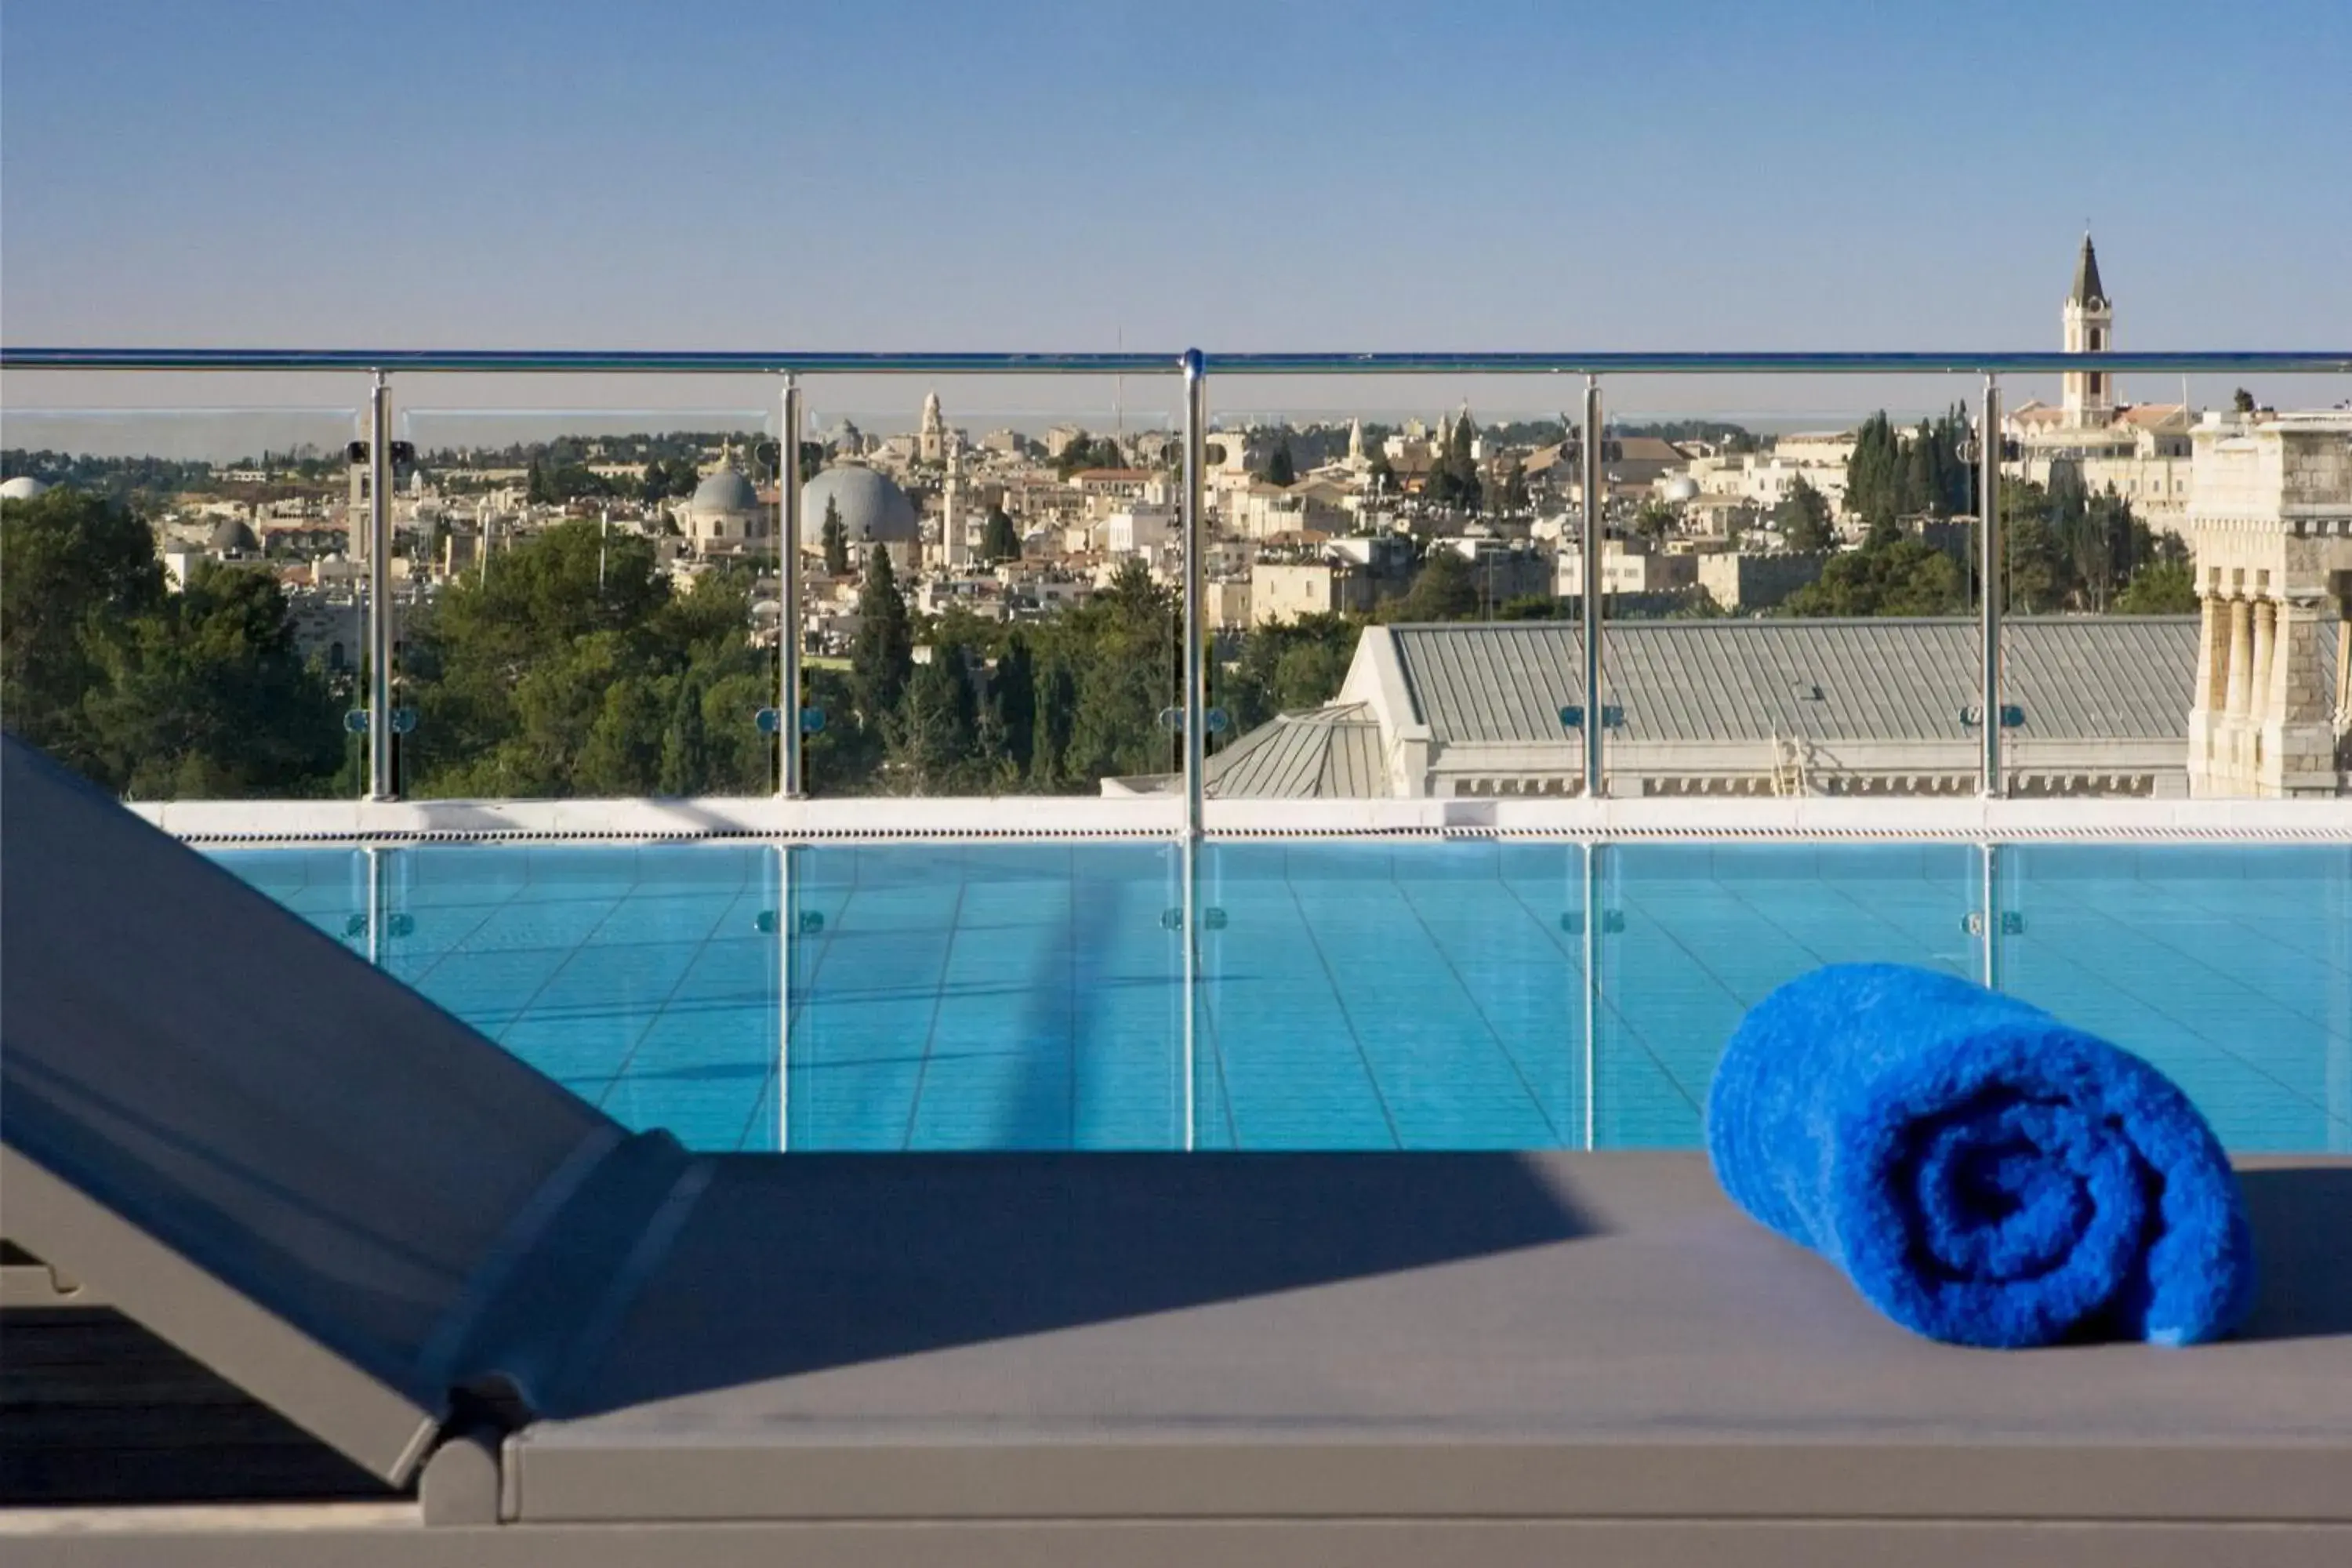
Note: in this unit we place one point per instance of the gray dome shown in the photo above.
(725, 491)
(231, 536)
(872, 508)
(24, 487)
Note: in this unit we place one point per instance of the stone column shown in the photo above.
(2265, 647)
(2212, 654)
(2207, 695)
(2241, 656)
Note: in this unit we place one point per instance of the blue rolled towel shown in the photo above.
(1982, 1172)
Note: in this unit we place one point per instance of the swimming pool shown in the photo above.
(1417, 994)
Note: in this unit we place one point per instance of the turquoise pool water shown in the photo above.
(1349, 995)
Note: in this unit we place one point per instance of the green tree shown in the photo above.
(1462, 485)
(836, 537)
(1284, 666)
(1057, 701)
(72, 565)
(842, 757)
(1446, 589)
(1891, 476)
(1122, 650)
(1310, 671)
(686, 759)
(2066, 549)
(1874, 473)
(537, 681)
(1655, 519)
(1088, 452)
(1516, 497)
(930, 737)
(1893, 575)
(2160, 588)
(206, 696)
(2242, 401)
(1803, 518)
(1014, 692)
(999, 540)
(882, 656)
(1282, 469)
(1530, 607)
(1379, 474)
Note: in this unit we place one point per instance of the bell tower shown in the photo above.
(2090, 395)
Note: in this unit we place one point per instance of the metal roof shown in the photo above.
(2088, 678)
(1323, 754)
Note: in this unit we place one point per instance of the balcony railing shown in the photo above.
(1193, 716)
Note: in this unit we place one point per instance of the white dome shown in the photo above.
(24, 487)
(873, 510)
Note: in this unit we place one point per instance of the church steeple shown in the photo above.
(2090, 322)
(2088, 290)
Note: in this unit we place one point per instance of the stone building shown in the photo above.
(724, 516)
(2270, 520)
(2140, 451)
(932, 440)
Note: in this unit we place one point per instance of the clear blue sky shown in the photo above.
(1011, 174)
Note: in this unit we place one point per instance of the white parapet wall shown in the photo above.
(1049, 816)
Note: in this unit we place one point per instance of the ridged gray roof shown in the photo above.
(2106, 678)
(1323, 754)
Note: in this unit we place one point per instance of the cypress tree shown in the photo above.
(999, 541)
(1057, 701)
(1461, 468)
(837, 541)
(685, 748)
(882, 657)
(1016, 700)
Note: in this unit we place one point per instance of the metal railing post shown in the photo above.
(1595, 915)
(1991, 785)
(1594, 541)
(381, 783)
(1196, 718)
(1989, 897)
(788, 596)
(788, 926)
(1196, 421)
(375, 900)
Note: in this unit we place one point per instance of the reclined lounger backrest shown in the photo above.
(281, 1160)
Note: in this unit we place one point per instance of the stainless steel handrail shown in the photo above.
(830, 363)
